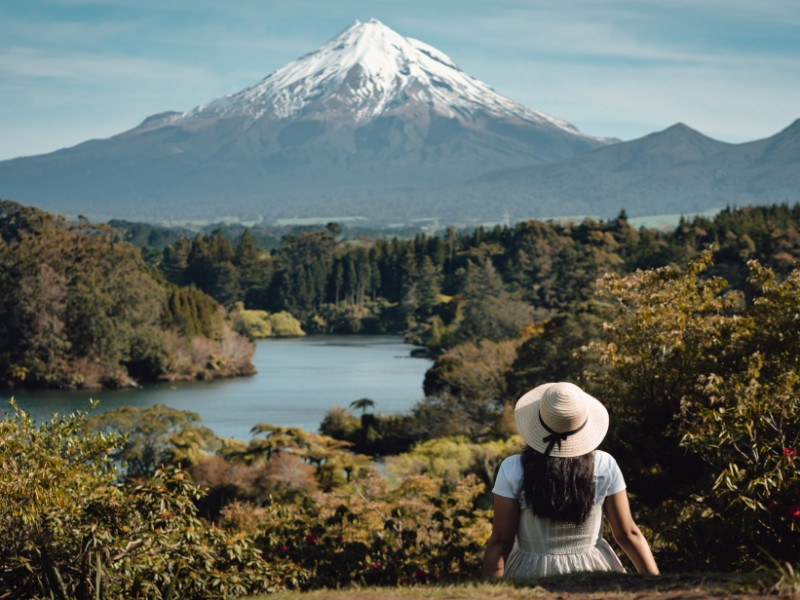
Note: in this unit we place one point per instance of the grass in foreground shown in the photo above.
(779, 584)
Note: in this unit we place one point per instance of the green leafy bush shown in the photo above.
(156, 436)
(285, 325)
(746, 426)
(71, 529)
(260, 324)
(702, 382)
(451, 459)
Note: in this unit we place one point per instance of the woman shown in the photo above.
(550, 500)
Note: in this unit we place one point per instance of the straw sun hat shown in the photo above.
(560, 419)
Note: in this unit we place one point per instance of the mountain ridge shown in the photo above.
(679, 170)
(386, 128)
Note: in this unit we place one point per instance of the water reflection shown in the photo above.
(298, 380)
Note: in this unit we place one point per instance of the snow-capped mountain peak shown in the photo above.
(366, 71)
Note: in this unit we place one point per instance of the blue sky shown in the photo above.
(72, 70)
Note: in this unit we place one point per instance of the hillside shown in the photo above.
(677, 170)
(80, 309)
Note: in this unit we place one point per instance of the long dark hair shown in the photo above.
(559, 489)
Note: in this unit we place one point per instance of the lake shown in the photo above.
(298, 380)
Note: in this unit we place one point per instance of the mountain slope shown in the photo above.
(367, 71)
(370, 124)
(674, 171)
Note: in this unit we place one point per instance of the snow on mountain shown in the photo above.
(371, 124)
(367, 71)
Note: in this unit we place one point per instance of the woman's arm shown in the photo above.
(504, 532)
(627, 534)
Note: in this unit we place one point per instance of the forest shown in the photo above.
(79, 308)
(689, 336)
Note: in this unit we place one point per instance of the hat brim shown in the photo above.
(532, 430)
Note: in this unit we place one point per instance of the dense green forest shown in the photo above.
(80, 308)
(690, 337)
(453, 287)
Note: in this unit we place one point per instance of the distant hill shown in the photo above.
(388, 129)
(677, 170)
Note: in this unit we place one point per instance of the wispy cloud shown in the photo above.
(67, 32)
(82, 68)
(612, 67)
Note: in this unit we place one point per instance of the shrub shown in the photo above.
(377, 535)
(746, 426)
(706, 380)
(156, 436)
(340, 424)
(285, 476)
(259, 324)
(71, 529)
(285, 325)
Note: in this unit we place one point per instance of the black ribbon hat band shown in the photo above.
(556, 437)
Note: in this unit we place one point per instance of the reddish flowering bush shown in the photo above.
(793, 512)
(790, 452)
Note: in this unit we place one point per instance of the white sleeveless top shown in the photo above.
(545, 547)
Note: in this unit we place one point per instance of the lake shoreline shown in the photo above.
(297, 381)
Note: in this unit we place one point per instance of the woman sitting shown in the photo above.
(550, 500)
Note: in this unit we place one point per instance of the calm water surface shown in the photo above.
(298, 381)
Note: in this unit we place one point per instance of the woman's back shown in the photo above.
(549, 505)
(546, 547)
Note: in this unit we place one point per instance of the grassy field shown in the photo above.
(585, 586)
(663, 222)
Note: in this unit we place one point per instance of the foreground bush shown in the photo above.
(71, 529)
(378, 534)
(702, 382)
